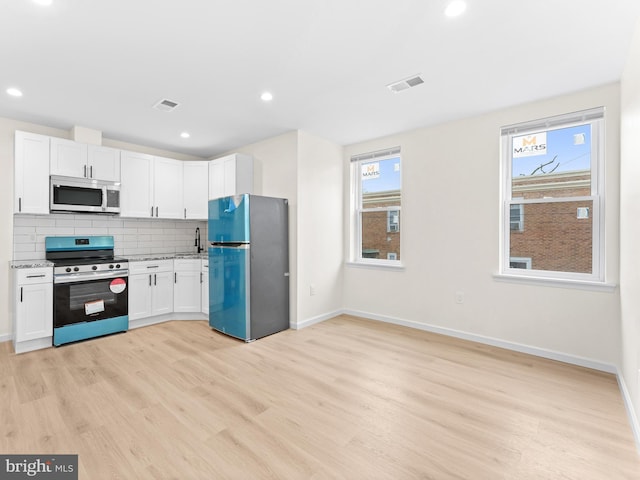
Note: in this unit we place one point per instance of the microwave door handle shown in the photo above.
(104, 198)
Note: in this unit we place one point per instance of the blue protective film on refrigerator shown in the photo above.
(229, 219)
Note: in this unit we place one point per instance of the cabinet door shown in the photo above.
(136, 190)
(204, 286)
(216, 179)
(140, 296)
(31, 173)
(243, 174)
(186, 293)
(34, 311)
(68, 158)
(103, 163)
(167, 188)
(230, 177)
(162, 293)
(196, 190)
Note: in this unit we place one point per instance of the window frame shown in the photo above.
(356, 254)
(594, 117)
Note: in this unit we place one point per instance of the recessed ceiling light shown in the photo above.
(455, 8)
(185, 135)
(14, 92)
(44, 3)
(266, 97)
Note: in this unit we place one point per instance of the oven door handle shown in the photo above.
(88, 276)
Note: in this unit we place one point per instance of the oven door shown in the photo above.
(90, 300)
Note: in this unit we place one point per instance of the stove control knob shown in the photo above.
(117, 265)
(76, 269)
(94, 267)
(68, 269)
(111, 266)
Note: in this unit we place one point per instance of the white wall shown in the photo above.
(320, 227)
(630, 224)
(450, 234)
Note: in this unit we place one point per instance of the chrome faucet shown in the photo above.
(198, 244)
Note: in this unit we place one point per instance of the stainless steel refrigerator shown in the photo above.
(248, 265)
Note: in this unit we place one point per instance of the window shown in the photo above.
(516, 220)
(553, 197)
(376, 180)
(393, 221)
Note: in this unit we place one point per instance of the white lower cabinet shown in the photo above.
(150, 288)
(186, 288)
(33, 308)
(204, 284)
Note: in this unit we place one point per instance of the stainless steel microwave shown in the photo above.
(84, 195)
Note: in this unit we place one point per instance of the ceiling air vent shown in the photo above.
(413, 81)
(166, 105)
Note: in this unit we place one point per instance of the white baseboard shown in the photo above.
(6, 337)
(631, 413)
(517, 347)
(312, 321)
(145, 322)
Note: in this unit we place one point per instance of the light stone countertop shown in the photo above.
(165, 256)
(41, 263)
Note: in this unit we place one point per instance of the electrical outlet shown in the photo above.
(312, 289)
(459, 297)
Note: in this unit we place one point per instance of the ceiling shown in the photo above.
(105, 64)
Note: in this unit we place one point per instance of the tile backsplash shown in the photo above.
(131, 236)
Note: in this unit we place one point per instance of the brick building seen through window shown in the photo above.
(555, 236)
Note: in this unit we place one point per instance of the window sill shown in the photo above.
(557, 282)
(392, 266)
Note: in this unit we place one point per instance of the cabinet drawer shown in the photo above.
(150, 266)
(26, 276)
(187, 265)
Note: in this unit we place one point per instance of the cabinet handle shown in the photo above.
(85, 171)
(91, 171)
(200, 277)
(19, 204)
(185, 213)
(20, 294)
(152, 211)
(156, 212)
(35, 276)
(175, 277)
(155, 279)
(149, 279)
(153, 266)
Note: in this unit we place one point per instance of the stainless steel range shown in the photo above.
(90, 288)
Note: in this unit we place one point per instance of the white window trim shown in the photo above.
(356, 258)
(594, 116)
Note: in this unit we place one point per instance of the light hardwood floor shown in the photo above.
(344, 399)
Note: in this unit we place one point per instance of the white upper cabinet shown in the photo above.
(31, 173)
(68, 158)
(103, 163)
(168, 188)
(151, 186)
(230, 175)
(79, 160)
(136, 190)
(196, 188)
